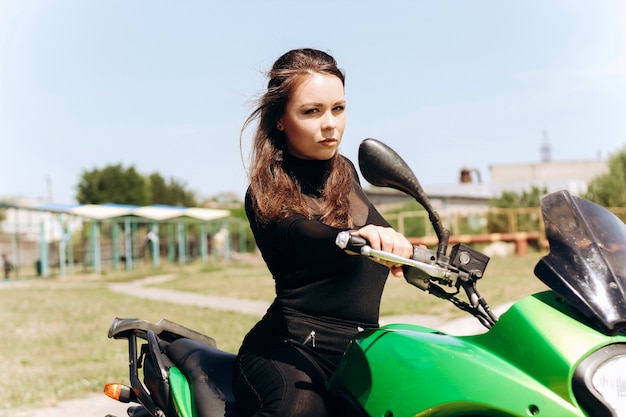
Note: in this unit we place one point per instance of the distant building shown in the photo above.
(573, 176)
(473, 195)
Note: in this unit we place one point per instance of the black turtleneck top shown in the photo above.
(316, 282)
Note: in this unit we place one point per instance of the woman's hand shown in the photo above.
(388, 240)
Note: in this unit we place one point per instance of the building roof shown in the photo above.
(111, 211)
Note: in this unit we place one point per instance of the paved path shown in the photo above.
(141, 288)
(100, 405)
(96, 405)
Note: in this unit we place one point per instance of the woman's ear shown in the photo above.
(279, 125)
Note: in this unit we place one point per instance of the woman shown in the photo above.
(302, 193)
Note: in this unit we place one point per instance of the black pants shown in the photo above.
(285, 381)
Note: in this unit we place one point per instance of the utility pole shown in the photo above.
(546, 151)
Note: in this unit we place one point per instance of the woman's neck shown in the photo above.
(310, 173)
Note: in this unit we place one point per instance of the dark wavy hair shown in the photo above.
(274, 193)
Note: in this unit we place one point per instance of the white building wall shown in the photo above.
(571, 171)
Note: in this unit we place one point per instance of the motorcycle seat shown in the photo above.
(210, 372)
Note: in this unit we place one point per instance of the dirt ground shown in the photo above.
(92, 406)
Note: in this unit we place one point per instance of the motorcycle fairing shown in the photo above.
(586, 264)
(522, 364)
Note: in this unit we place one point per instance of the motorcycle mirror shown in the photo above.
(383, 167)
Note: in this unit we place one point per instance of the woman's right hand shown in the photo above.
(388, 240)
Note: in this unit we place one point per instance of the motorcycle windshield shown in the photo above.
(587, 260)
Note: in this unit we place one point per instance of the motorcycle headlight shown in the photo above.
(600, 382)
(610, 381)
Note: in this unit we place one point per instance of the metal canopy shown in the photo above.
(127, 216)
(112, 211)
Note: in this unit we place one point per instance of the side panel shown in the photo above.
(181, 393)
(521, 367)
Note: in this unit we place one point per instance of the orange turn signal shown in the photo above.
(118, 392)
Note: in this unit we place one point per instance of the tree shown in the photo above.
(511, 199)
(609, 190)
(172, 192)
(113, 184)
(120, 185)
(499, 222)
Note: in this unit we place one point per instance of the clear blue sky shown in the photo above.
(166, 85)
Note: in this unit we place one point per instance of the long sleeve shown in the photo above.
(312, 274)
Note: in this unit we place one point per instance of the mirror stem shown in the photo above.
(443, 235)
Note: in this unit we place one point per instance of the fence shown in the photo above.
(497, 220)
(118, 244)
(117, 247)
(521, 226)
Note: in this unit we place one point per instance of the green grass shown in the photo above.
(250, 282)
(54, 341)
(505, 279)
(55, 346)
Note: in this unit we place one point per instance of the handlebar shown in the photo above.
(422, 259)
(424, 272)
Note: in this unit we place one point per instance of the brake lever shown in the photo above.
(358, 245)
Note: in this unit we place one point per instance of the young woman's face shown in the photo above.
(315, 118)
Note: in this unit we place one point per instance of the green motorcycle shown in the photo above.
(558, 353)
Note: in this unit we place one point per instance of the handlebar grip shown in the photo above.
(350, 242)
(424, 255)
